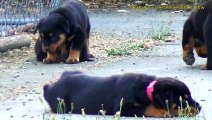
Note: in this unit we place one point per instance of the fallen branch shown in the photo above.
(13, 42)
(20, 29)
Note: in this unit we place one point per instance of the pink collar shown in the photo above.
(150, 89)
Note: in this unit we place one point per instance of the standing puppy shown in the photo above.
(197, 34)
(64, 34)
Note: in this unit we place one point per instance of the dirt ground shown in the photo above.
(13, 61)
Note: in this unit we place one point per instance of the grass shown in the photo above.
(184, 113)
(123, 51)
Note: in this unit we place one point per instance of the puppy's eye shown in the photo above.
(186, 96)
(50, 34)
(41, 35)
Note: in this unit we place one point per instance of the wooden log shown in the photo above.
(14, 42)
(20, 29)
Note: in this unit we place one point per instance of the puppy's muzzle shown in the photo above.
(198, 106)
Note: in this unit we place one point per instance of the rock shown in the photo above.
(163, 4)
(122, 11)
(16, 76)
(178, 11)
(140, 3)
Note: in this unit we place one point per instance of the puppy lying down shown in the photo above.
(142, 95)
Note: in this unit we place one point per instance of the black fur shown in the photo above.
(199, 25)
(91, 92)
(69, 19)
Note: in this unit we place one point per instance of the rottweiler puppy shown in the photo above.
(197, 34)
(142, 94)
(64, 33)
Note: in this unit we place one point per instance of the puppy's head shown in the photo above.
(53, 31)
(175, 96)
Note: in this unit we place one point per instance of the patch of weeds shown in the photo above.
(61, 106)
(124, 51)
(118, 52)
(185, 113)
(164, 31)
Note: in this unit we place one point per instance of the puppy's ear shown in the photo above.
(164, 99)
(39, 24)
(65, 26)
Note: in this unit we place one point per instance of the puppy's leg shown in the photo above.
(64, 52)
(77, 44)
(201, 51)
(208, 39)
(188, 45)
(85, 53)
(74, 56)
(40, 54)
(51, 58)
(152, 111)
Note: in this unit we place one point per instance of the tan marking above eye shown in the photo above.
(41, 35)
(61, 40)
(186, 96)
(62, 36)
(50, 34)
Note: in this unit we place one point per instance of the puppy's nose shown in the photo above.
(198, 107)
(46, 48)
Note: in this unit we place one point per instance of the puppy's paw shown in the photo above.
(72, 60)
(204, 67)
(51, 58)
(74, 56)
(189, 59)
(47, 61)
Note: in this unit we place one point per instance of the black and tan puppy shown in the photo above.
(197, 34)
(64, 33)
(142, 94)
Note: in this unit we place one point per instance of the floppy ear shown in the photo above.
(164, 99)
(64, 23)
(39, 24)
(65, 26)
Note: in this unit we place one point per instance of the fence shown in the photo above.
(21, 15)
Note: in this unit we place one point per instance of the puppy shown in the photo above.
(197, 34)
(142, 94)
(64, 33)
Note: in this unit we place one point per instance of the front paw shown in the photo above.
(204, 67)
(189, 59)
(72, 60)
(74, 56)
(51, 58)
(47, 61)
